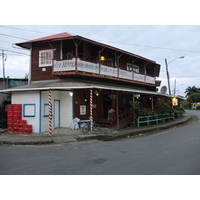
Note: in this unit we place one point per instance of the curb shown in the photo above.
(26, 142)
(102, 137)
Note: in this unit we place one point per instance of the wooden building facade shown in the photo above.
(77, 70)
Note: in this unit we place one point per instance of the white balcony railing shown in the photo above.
(64, 65)
(95, 68)
(150, 79)
(138, 77)
(125, 74)
(109, 71)
(88, 66)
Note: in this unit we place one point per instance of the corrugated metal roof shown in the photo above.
(61, 36)
(71, 85)
(51, 37)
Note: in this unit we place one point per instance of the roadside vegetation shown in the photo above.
(192, 96)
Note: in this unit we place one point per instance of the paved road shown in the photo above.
(174, 151)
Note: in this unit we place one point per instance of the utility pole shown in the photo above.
(3, 62)
(167, 76)
(168, 71)
(175, 87)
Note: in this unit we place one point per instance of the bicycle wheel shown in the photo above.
(85, 129)
(96, 128)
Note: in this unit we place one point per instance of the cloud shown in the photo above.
(16, 66)
(155, 42)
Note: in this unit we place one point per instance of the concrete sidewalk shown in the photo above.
(66, 135)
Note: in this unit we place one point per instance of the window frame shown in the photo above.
(134, 68)
(29, 110)
(107, 62)
(49, 58)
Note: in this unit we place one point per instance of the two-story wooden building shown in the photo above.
(72, 76)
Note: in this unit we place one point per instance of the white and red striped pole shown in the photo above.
(91, 114)
(50, 113)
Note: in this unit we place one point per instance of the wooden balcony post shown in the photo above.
(152, 102)
(76, 57)
(99, 61)
(76, 53)
(117, 109)
(61, 50)
(118, 63)
(100, 51)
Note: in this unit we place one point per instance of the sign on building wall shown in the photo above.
(82, 110)
(175, 102)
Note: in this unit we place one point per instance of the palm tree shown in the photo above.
(191, 90)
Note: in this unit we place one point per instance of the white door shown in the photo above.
(56, 113)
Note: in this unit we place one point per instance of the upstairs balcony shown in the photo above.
(73, 66)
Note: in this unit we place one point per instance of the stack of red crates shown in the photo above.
(15, 124)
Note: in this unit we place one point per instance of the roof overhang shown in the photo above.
(70, 85)
(66, 36)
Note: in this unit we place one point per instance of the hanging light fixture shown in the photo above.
(96, 93)
(102, 58)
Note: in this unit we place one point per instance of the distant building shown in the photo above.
(5, 98)
(195, 106)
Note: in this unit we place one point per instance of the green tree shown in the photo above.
(195, 97)
(191, 90)
(26, 76)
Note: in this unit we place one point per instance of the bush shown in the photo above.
(194, 98)
(186, 104)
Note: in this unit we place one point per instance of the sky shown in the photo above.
(155, 42)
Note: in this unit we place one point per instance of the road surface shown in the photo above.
(170, 152)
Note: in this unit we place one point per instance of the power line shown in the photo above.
(155, 47)
(25, 29)
(26, 39)
(14, 52)
(13, 36)
(146, 46)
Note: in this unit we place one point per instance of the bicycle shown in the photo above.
(86, 127)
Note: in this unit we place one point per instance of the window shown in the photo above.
(46, 110)
(45, 58)
(107, 62)
(135, 68)
(29, 110)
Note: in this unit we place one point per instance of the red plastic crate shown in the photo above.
(17, 112)
(22, 122)
(17, 118)
(10, 113)
(15, 129)
(20, 129)
(27, 130)
(10, 129)
(16, 106)
(16, 122)
(10, 106)
(9, 120)
(9, 125)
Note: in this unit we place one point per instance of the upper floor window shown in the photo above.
(131, 67)
(45, 58)
(107, 62)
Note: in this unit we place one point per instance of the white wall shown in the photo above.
(40, 122)
(28, 98)
(65, 108)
